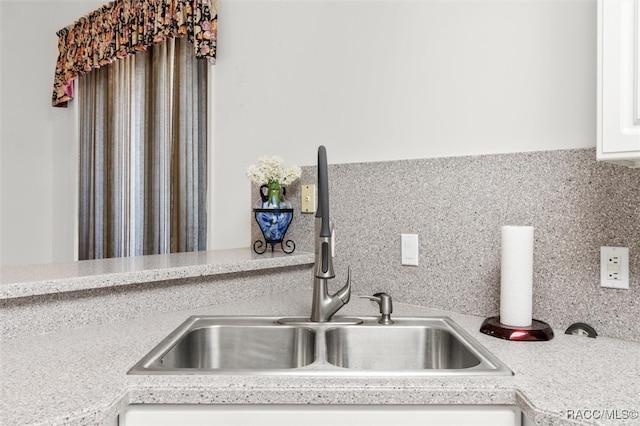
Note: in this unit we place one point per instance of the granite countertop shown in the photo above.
(78, 377)
(36, 280)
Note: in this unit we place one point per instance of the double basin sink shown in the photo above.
(295, 346)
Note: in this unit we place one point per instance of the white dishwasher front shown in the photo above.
(320, 415)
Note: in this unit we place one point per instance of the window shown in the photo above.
(143, 154)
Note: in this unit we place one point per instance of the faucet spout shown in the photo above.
(324, 305)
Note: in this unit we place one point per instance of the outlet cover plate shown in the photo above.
(614, 267)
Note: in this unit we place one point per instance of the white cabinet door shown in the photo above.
(619, 81)
(320, 415)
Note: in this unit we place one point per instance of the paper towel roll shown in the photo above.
(516, 276)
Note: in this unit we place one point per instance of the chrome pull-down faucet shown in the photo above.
(324, 305)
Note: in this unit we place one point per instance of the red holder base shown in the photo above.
(538, 331)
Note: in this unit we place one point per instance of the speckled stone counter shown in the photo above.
(45, 298)
(78, 377)
(44, 279)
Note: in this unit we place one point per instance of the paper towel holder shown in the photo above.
(538, 331)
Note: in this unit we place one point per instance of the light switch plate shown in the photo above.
(614, 267)
(409, 249)
(308, 199)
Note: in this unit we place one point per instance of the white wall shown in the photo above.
(38, 161)
(371, 79)
(393, 79)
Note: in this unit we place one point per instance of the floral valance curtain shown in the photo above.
(124, 27)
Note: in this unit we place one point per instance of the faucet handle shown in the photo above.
(386, 306)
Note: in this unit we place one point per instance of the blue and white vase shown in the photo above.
(273, 213)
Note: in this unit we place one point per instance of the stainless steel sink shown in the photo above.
(208, 344)
(261, 345)
(239, 347)
(408, 345)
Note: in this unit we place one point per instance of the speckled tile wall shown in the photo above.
(457, 206)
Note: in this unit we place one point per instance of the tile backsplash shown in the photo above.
(457, 206)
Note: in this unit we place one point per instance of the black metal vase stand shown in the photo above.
(273, 224)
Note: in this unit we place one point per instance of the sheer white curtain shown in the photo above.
(143, 152)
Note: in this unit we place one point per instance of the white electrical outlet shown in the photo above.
(409, 249)
(614, 267)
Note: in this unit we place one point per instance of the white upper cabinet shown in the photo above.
(619, 81)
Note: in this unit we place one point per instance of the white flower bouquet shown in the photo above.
(272, 170)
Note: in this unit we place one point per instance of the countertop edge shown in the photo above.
(123, 271)
(143, 394)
